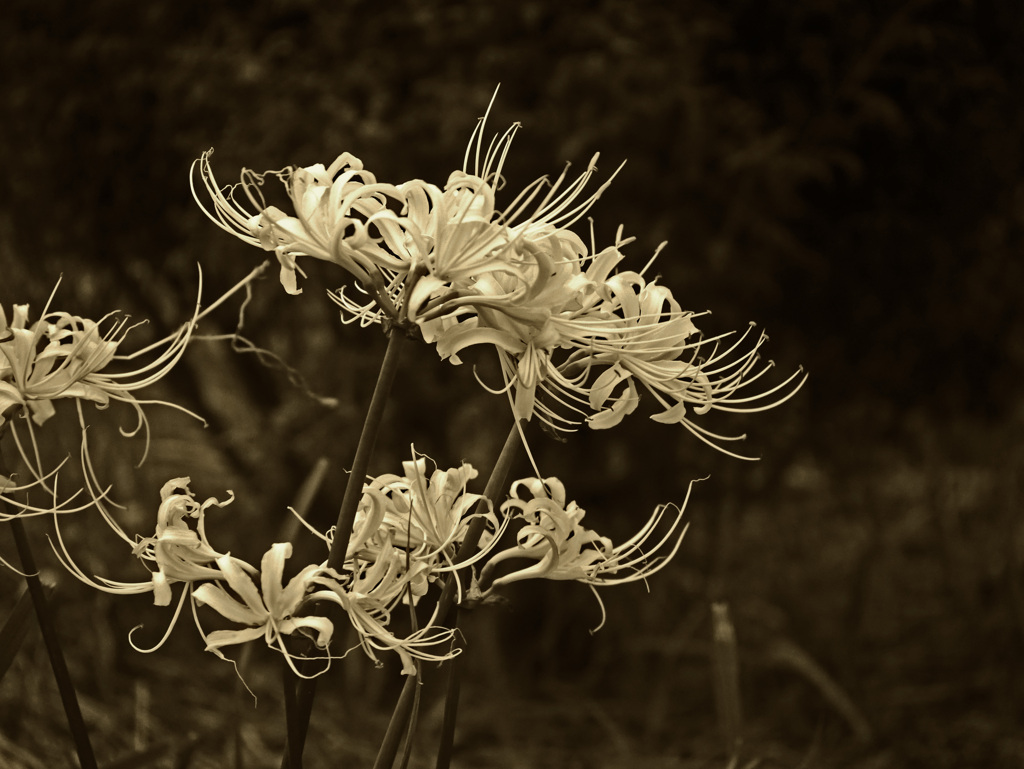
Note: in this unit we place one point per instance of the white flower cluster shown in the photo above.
(554, 539)
(576, 337)
(407, 535)
(67, 357)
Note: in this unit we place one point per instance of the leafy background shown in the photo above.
(847, 174)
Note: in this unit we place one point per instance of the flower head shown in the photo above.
(577, 339)
(62, 356)
(370, 594)
(576, 336)
(271, 611)
(558, 546)
(407, 532)
(65, 356)
(178, 550)
(340, 215)
(427, 515)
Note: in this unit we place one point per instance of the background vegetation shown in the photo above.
(848, 174)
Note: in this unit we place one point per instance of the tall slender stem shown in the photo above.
(68, 696)
(495, 483)
(446, 747)
(367, 440)
(302, 709)
(397, 726)
(403, 718)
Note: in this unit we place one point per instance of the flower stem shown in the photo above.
(497, 482)
(451, 709)
(68, 696)
(367, 439)
(397, 726)
(293, 747)
(302, 706)
(725, 669)
(403, 718)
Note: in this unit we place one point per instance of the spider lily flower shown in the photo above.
(270, 611)
(721, 381)
(426, 644)
(369, 595)
(649, 339)
(453, 238)
(501, 259)
(406, 533)
(180, 553)
(526, 316)
(427, 517)
(340, 217)
(408, 529)
(579, 344)
(177, 551)
(471, 239)
(555, 300)
(73, 350)
(377, 232)
(438, 241)
(577, 340)
(561, 548)
(67, 357)
(369, 590)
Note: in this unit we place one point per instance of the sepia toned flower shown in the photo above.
(557, 546)
(65, 357)
(177, 552)
(271, 611)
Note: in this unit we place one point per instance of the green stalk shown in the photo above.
(725, 669)
(410, 733)
(293, 748)
(298, 719)
(13, 633)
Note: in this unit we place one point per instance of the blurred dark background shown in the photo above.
(847, 174)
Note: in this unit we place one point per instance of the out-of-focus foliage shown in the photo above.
(848, 174)
(849, 170)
